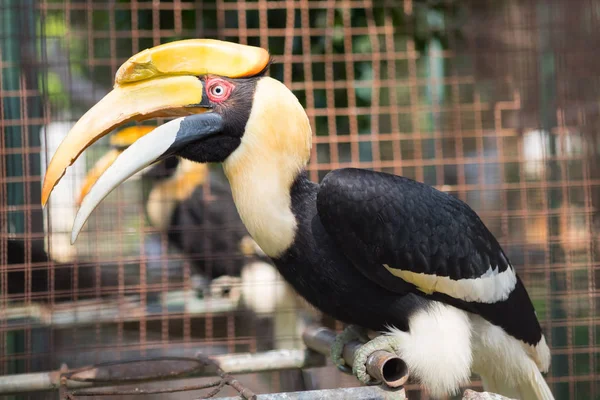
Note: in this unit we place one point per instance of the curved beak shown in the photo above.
(158, 82)
(162, 97)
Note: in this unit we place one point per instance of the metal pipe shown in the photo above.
(230, 363)
(269, 361)
(387, 368)
(355, 393)
(382, 366)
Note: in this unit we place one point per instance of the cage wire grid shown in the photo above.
(496, 104)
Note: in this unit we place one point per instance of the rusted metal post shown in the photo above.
(383, 366)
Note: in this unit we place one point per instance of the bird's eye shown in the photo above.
(219, 90)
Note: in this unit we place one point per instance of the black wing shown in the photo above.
(398, 231)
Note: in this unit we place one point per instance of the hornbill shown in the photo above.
(411, 269)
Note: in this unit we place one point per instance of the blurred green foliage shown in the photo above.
(85, 36)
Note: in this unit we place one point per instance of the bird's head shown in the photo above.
(227, 112)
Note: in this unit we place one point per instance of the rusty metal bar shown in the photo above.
(129, 308)
(383, 366)
(355, 393)
(230, 363)
(360, 393)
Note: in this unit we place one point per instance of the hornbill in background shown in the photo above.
(194, 207)
(411, 269)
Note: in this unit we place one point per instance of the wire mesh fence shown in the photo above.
(495, 103)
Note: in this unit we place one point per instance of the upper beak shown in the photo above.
(157, 82)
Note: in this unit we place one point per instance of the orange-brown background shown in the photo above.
(494, 102)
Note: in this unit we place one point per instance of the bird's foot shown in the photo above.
(350, 333)
(383, 342)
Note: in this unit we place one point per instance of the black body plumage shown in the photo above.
(324, 275)
(387, 219)
(358, 220)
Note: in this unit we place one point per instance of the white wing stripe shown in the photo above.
(490, 287)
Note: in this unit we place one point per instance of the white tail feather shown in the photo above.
(493, 386)
(444, 343)
(534, 387)
(509, 366)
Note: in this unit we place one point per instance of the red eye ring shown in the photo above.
(218, 90)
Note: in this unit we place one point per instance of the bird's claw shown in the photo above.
(359, 368)
(344, 368)
(350, 333)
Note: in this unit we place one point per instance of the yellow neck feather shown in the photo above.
(274, 149)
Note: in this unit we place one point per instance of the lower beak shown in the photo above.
(97, 170)
(119, 142)
(171, 96)
(157, 145)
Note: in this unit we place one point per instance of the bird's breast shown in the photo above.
(317, 269)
